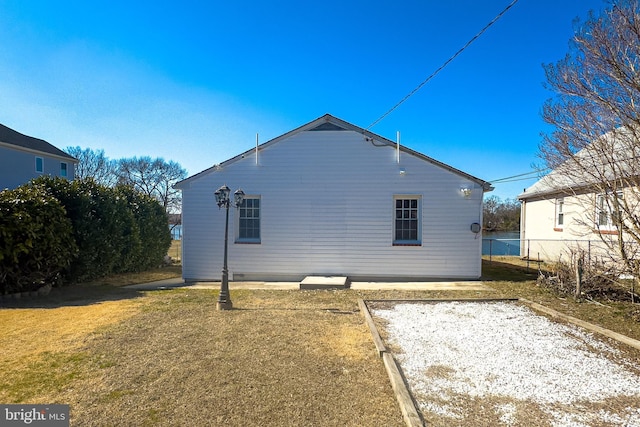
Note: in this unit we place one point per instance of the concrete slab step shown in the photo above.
(324, 282)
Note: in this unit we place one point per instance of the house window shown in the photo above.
(606, 211)
(559, 212)
(63, 169)
(39, 165)
(249, 220)
(406, 220)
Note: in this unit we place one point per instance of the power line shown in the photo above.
(443, 65)
(511, 180)
(525, 175)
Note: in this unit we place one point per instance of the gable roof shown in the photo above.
(329, 122)
(611, 157)
(9, 136)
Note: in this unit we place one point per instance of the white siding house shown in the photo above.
(555, 225)
(571, 211)
(330, 198)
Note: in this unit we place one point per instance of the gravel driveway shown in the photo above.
(499, 363)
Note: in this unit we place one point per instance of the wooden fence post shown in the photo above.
(579, 271)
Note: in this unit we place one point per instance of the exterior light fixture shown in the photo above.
(222, 199)
(466, 192)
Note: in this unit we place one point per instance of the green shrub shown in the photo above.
(116, 230)
(93, 215)
(36, 242)
(152, 224)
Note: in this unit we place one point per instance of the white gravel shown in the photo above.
(504, 351)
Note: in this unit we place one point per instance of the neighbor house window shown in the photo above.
(39, 165)
(406, 220)
(606, 211)
(559, 213)
(63, 169)
(249, 220)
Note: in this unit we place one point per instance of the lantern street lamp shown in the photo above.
(222, 199)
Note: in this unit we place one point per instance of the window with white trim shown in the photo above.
(249, 220)
(606, 211)
(560, 212)
(39, 165)
(406, 215)
(63, 169)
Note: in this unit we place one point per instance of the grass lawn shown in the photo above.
(123, 357)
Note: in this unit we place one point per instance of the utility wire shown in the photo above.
(443, 65)
(509, 178)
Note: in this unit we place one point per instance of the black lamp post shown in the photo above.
(222, 199)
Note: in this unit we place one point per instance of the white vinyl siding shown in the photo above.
(587, 221)
(326, 208)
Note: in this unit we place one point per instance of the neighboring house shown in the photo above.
(23, 158)
(331, 198)
(548, 224)
(571, 210)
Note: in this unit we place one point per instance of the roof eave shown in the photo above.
(63, 156)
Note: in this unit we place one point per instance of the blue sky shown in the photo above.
(194, 81)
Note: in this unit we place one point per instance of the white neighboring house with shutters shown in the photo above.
(555, 224)
(572, 209)
(330, 198)
(23, 158)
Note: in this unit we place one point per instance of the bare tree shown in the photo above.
(594, 147)
(499, 215)
(94, 164)
(154, 177)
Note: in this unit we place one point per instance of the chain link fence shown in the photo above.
(547, 249)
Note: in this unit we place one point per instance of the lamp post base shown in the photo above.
(226, 305)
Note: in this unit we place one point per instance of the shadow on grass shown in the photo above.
(69, 296)
(497, 270)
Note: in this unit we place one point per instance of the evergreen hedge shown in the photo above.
(77, 231)
(36, 241)
(151, 225)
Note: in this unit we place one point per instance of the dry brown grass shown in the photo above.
(175, 251)
(122, 357)
(38, 334)
(167, 272)
(36, 330)
(280, 358)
